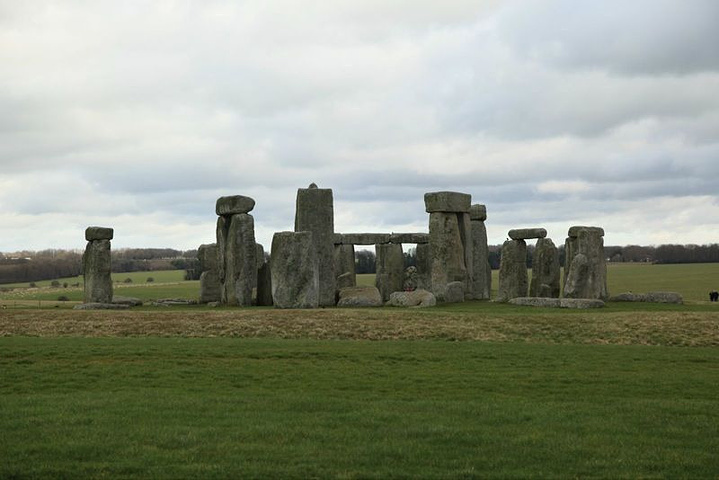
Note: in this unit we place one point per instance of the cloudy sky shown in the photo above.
(138, 115)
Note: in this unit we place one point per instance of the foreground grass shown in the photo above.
(223, 408)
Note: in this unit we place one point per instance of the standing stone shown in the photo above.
(513, 278)
(294, 270)
(390, 269)
(585, 265)
(545, 270)
(315, 213)
(424, 266)
(239, 258)
(344, 266)
(97, 265)
(481, 286)
(264, 285)
(210, 287)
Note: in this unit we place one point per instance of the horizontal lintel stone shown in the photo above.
(234, 204)
(418, 238)
(574, 231)
(362, 238)
(448, 202)
(98, 233)
(527, 233)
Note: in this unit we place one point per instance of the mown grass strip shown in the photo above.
(219, 408)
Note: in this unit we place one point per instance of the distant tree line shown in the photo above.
(31, 266)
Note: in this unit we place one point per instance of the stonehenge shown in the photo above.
(313, 266)
(97, 265)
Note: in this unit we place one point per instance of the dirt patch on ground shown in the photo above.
(621, 328)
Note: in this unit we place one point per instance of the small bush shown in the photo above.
(150, 279)
(64, 285)
(62, 298)
(33, 285)
(127, 280)
(55, 283)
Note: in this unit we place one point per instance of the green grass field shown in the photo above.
(470, 390)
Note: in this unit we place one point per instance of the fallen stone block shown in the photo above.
(416, 299)
(546, 302)
(100, 306)
(130, 301)
(649, 297)
(359, 297)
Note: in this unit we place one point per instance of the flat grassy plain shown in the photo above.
(471, 390)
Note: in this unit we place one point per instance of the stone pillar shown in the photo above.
(97, 265)
(585, 266)
(344, 266)
(545, 270)
(237, 251)
(481, 286)
(424, 267)
(390, 269)
(315, 213)
(264, 279)
(450, 240)
(513, 278)
(294, 271)
(210, 288)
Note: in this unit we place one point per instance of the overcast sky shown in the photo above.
(138, 115)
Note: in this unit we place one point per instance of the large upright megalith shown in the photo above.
(450, 240)
(545, 270)
(237, 251)
(210, 288)
(315, 213)
(513, 278)
(344, 259)
(97, 265)
(294, 271)
(585, 268)
(481, 285)
(390, 269)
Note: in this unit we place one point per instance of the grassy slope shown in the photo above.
(223, 408)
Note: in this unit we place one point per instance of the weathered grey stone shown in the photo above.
(417, 298)
(98, 233)
(651, 297)
(264, 285)
(101, 306)
(417, 238)
(513, 277)
(454, 292)
(447, 202)
(481, 282)
(295, 275)
(545, 270)
(585, 266)
(208, 257)
(233, 205)
(527, 233)
(450, 251)
(359, 297)
(97, 264)
(346, 280)
(478, 212)
(315, 213)
(344, 259)
(575, 230)
(129, 301)
(424, 266)
(390, 269)
(210, 287)
(579, 303)
(239, 259)
(363, 238)
(536, 302)
(411, 279)
(260, 256)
